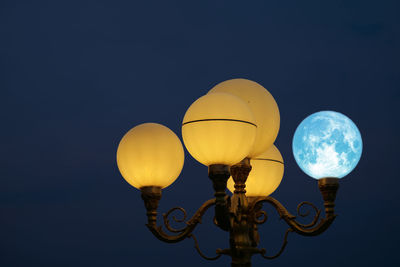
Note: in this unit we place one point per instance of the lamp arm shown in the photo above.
(183, 232)
(312, 229)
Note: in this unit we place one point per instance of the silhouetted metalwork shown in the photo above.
(240, 215)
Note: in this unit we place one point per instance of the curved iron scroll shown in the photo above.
(196, 245)
(183, 232)
(316, 216)
(263, 251)
(312, 229)
(166, 220)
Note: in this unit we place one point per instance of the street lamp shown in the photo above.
(231, 130)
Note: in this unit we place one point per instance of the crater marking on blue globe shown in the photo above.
(327, 144)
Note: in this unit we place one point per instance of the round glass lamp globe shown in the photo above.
(263, 106)
(266, 174)
(219, 128)
(327, 144)
(150, 154)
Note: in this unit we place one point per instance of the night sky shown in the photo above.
(77, 75)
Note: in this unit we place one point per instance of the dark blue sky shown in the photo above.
(76, 75)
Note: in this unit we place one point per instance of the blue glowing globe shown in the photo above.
(327, 144)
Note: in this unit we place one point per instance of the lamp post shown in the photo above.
(232, 130)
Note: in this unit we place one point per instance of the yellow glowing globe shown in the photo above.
(150, 154)
(263, 106)
(266, 174)
(219, 128)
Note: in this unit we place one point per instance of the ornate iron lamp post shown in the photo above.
(230, 129)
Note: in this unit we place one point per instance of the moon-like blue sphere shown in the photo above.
(327, 144)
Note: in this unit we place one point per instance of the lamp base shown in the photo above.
(219, 175)
(328, 187)
(151, 195)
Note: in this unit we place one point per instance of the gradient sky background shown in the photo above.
(76, 75)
